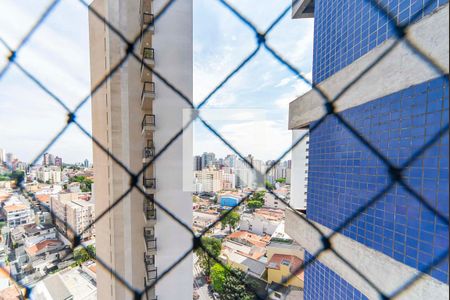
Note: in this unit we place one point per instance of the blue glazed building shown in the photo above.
(398, 106)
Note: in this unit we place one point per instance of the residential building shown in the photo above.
(71, 283)
(48, 160)
(58, 161)
(197, 163)
(277, 202)
(9, 158)
(73, 216)
(2, 155)
(299, 171)
(262, 221)
(398, 107)
(281, 243)
(17, 212)
(245, 251)
(285, 270)
(208, 160)
(50, 174)
(211, 179)
(135, 114)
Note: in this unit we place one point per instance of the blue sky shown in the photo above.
(58, 55)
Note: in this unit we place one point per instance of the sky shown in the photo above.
(251, 110)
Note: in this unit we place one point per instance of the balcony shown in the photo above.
(150, 241)
(148, 124)
(148, 95)
(152, 275)
(150, 210)
(148, 153)
(147, 63)
(147, 30)
(145, 6)
(149, 185)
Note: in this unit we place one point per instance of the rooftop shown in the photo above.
(254, 239)
(291, 261)
(32, 250)
(15, 207)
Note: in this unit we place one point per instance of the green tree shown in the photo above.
(254, 204)
(281, 180)
(231, 220)
(214, 246)
(91, 251)
(218, 274)
(81, 254)
(229, 283)
(269, 186)
(256, 200)
(85, 183)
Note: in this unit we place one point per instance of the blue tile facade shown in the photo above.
(345, 30)
(344, 174)
(321, 283)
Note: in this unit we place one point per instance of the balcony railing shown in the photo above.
(148, 123)
(148, 54)
(149, 209)
(149, 261)
(147, 19)
(152, 275)
(147, 29)
(148, 153)
(150, 242)
(149, 183)
(148, 61)
(148, 94)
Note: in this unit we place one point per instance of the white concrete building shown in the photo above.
(135, 114)
(18, 212)
(299, 171)
(211, 180)
(49, 174)
(73, 215)
(262, 221)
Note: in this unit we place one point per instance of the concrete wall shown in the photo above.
(173, 58)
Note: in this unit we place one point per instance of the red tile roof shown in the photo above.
(294, 263)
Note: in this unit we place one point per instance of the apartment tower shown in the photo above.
(398, 106)
(135, 114)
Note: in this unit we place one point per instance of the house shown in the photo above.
(285, 270)
(262, 221)
(281, 243)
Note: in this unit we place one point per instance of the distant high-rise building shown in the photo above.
(230, 160)
(197, 163)
(86, 163)
(2, 156)
(400, 106)
(208, 159)
(73, 215)
(134, 115)
(58, 161)
(51, 159)
(9, 158)
(46, 159)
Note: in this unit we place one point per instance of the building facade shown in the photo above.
(135, 115)
(398, 106)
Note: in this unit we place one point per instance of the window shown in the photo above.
(285, 262)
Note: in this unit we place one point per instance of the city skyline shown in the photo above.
(214, 55)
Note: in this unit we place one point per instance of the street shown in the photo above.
(200, 285)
